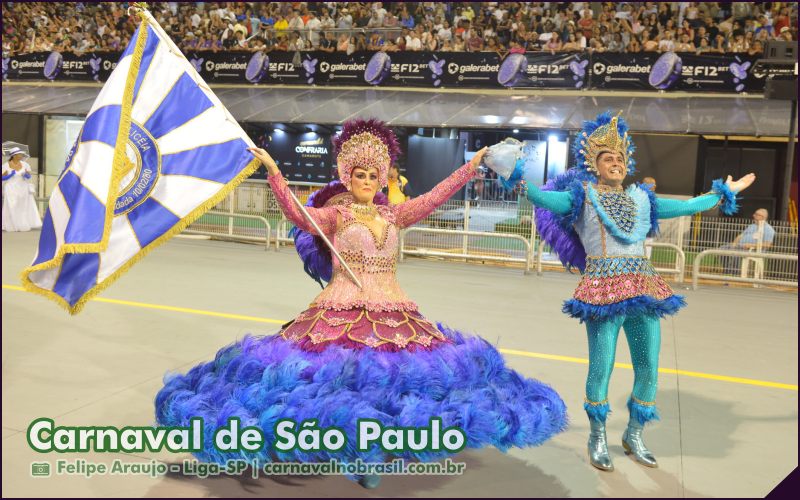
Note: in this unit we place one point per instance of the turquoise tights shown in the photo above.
(644, 340)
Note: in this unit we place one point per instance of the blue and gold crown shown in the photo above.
(605, 133)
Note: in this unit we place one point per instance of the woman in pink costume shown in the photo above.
(362, 353)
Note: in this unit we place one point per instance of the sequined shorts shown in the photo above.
(393, 329)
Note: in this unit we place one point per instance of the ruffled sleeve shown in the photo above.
(324, 217)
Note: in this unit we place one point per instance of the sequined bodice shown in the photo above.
(373, 259)
(614, 222)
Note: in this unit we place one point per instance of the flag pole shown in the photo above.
(325, 239)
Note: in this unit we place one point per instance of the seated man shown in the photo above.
(748, 240)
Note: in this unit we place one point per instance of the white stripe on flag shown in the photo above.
(93, 164)
(45, 279)
(111, 93)
(162, 74)
(122, 246)
(209, 127)
(59, 211)
(181, 194)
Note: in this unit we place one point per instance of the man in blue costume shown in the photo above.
(596, 225)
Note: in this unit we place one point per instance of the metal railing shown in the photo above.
(231, 235)
(680, 261)
(465, 253)
(282, 235)
(697, 274)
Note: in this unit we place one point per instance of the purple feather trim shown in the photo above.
(376, 127)
(314, 253)
(262, 380)
(728, 204)
(643, 304)
(557, 231)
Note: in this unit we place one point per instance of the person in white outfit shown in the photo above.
(19, 204)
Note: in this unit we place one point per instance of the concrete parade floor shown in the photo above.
(727, 395)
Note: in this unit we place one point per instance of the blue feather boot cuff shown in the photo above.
(643, 413)
(597, 411)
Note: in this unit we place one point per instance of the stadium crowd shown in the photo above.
(502, 27)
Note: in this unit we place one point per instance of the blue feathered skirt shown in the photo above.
(464, 381)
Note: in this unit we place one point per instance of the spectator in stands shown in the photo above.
(328, 42)
(391, 21)
(85, 27)
(748, 240)
(360, 42)
(720, 44)
(406, 20)
(739, 44)
(554, 43)
(667, 42)
(296, 42)
(413, 42)
(571, 44)
(475, 41)
(375, 41)
(313, 26)
(685, 45)
(634, 46)
(648, 44)
(616, 44)
(295, 22)
(343, 44)
(345, 20)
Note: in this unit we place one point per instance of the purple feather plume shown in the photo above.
(557, 230)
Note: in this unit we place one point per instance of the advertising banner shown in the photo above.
(565, 70)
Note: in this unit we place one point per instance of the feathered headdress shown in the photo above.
(366, 144)
(605, 133)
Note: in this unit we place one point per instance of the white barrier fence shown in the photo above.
(502, 231)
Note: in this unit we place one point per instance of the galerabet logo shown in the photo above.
(141, 170)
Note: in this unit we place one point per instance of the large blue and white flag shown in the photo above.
(157, 150)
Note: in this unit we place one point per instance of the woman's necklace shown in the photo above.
(366, 212)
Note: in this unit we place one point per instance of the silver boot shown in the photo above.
(598, 446)
(634, 444)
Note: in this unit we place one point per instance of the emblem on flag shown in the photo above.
(157, 150)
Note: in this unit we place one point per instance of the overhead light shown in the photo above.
(277, 130)
(516, 131)
(552, 138)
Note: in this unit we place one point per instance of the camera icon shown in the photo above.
(40, 469)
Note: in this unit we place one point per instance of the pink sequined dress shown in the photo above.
(379, 315)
